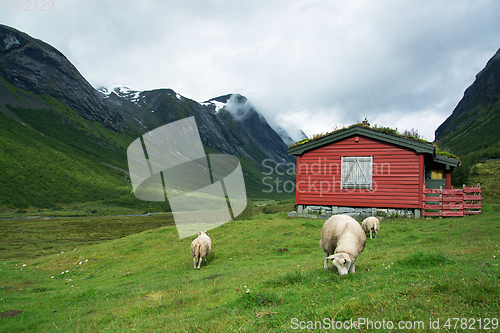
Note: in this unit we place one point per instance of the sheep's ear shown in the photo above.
(334, 256)
(199, 232)
(345, 259)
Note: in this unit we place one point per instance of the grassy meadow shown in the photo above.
(265, 274)
(22, 238)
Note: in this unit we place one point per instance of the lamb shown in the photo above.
(200, 248)
(372, 225)
(342, 240)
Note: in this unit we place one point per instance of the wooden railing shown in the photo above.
(452, 202)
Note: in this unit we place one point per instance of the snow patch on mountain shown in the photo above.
(10, 41)
(121, 91)
(217, 105)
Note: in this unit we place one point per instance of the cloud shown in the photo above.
(303, 64)
(239, 107)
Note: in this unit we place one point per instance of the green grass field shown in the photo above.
(30, 238)
(265, 274)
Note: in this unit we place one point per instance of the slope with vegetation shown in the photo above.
(471, 131)
(52, 156)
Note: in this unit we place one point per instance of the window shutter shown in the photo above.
(356, 172)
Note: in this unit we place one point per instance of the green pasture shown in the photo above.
(265, 274)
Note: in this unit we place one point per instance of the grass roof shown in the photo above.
(408, 134)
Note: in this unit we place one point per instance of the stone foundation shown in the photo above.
(358, 213)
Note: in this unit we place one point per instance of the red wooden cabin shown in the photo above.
(361, 167)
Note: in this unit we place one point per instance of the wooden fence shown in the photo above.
(452, 202)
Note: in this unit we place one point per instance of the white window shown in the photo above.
(356, 172)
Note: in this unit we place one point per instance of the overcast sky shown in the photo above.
(312, 65)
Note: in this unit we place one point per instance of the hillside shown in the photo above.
(50, 155)
(488, 175)
(476, 115)
(471, 131)
(64, 142)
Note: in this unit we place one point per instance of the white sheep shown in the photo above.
(342, 240)
(200, 248)
(371, 224)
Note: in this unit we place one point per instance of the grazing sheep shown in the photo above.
(371, 224)
(342, 239)
(200, 248)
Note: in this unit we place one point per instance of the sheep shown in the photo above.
(342, 240)
(200, 248)
(371, 224)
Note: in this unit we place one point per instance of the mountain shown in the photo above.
(473, 125)
(241, 108)
(228, 124)
(60, 142)
(63, 142)
(289, 137)
(240, 117)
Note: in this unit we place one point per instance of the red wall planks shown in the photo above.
(397, 175)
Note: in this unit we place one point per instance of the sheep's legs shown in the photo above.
(325, 266)
(352, 269)
(198, 260)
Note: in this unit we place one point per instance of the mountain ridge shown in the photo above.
(237, 119)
